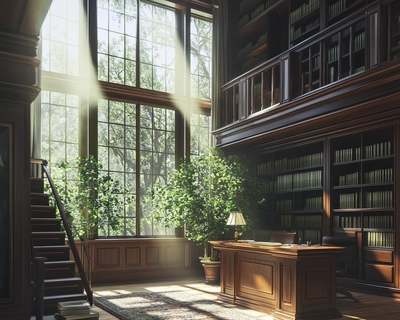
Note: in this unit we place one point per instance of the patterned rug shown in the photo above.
(168, 305)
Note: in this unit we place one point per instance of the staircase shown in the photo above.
(48, 241)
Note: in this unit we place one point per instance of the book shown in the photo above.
(92, 315)
(73, 305)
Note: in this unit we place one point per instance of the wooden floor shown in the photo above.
(369, 307)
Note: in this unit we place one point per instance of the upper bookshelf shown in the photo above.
(304, 20)
(256, 24)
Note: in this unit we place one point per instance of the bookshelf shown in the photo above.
(255, 24)
(362, 172)
(346, 53)
(304, 19)
(293, 186)
(338, 9)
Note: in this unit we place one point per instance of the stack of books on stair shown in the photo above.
(75, 310)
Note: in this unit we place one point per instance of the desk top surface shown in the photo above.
(276, 248)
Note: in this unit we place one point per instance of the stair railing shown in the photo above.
(67, 227)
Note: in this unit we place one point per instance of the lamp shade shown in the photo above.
(236, 219)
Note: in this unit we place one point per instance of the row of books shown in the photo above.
(347, 221)
(286, 164)
(369, 221)
(379, 222)
(379, 199)
(251, 47)
(296, 221)
(253, 61)
(309, 235)
(75, 310)
(302, 180)
(373, 199)
(345, 155)
(359, 41)
(251, 16)
(303, 10)
(348, 179)
(349, 200)
(336, 8)
(379, 176)
(371, 151)
(314, 203)
(296, 32)
(380, 239)
(378, 150)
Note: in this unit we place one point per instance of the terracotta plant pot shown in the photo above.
(211, 271)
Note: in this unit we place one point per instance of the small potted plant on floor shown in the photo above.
(200, 195)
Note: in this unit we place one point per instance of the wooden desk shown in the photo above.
(296, 282)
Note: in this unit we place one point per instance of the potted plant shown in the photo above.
(200, 195)
(93, 200)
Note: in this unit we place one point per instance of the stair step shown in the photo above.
(63, 286)
(45, 224)
(39, 199)
(59, 269)
(50, 302)
(52, 253)
(37, 185)
(43, 211)
(48, 238)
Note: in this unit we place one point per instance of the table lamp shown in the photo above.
(236, 219)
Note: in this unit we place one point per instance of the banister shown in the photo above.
(67, 226)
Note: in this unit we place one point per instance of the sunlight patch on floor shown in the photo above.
(353, 317)
(110, 293)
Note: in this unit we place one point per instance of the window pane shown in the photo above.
(200, 134)
(60, 38)
(158, 47)
(200, 58)
(117, 33)
(59, 117)
(157, 157)
(117, 153)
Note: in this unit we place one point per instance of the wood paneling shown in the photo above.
(132, 256)
(131, 259)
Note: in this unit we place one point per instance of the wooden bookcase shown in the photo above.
(293, 186)
(345, 182)
(362, 198)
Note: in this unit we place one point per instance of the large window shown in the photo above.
(139, 134)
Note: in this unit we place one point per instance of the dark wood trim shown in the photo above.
(352, 99)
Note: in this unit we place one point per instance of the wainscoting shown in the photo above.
(115, 260)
